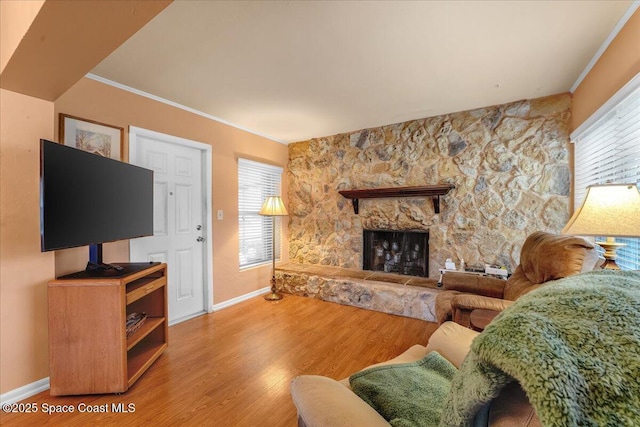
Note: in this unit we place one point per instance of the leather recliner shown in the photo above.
(544, 257)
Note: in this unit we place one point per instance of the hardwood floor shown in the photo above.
(233, 367)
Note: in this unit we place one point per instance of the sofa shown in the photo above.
(324, 402)
(544, 257)
(568, 349)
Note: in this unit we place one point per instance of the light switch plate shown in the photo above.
(220, 215)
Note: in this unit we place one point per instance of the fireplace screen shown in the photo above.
(403, 252)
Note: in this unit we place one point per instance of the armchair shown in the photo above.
(544, 257)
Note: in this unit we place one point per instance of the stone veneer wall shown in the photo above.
(509, 165)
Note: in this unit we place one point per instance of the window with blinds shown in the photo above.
(607, 150)
(256, 181)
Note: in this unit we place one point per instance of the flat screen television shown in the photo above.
(87, 199)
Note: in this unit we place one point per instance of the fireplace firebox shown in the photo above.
(402, 252)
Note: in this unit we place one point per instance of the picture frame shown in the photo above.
(88, 135)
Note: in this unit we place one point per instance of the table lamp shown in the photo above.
(610, 210)
(273, 207)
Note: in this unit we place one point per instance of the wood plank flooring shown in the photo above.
(233, 367)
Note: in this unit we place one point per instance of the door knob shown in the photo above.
(200, 239)
(198, 227)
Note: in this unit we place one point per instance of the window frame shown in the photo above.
(256, 181)
(607, 150)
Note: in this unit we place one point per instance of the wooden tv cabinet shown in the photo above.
(89, 352)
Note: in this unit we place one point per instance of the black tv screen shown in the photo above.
(88, 199)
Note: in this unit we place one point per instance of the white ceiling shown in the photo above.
(294, 70)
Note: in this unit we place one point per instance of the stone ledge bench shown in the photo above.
(386, 292)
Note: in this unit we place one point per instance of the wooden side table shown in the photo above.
(480, 318)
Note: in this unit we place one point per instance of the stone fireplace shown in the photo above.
(508, 166)
(393, 251)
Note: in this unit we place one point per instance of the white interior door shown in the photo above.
(179, 220)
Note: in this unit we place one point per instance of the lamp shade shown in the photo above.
(611, 210)
(273, 206)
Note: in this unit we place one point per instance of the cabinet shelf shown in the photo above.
(147, 327)
(143, 287)
(433, 191)
(141, 357)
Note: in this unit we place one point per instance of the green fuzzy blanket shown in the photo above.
(574, 346)
(407, 394)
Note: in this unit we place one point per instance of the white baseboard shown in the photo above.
(25, 391)
(236, 300)
(29, 390)
(182, 319)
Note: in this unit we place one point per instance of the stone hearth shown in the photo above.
(385, 292)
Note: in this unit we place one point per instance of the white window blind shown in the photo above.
(608, 151)
(256, 181)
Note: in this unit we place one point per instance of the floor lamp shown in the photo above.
(610, 210)
(273, 207)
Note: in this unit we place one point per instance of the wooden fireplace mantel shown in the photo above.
(433, 191)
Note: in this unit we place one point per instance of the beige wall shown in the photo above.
(16, 16)
(122, 108)
(24, 270)
(617, 65)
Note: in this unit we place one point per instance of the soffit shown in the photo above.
(67, 39)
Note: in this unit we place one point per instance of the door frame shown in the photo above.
(207, 169)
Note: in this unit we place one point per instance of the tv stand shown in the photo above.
(89, 350)
(91, 266)
(95, 259)
(106, 271)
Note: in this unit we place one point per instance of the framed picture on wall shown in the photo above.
(94, 137)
